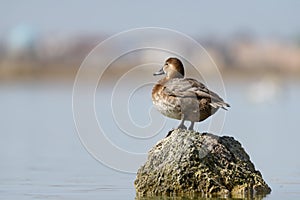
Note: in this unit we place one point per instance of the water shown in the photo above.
(43, 158)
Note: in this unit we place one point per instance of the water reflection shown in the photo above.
(199, 197)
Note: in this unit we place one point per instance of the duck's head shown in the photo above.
(173, 68)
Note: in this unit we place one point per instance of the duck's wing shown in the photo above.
(191, 88)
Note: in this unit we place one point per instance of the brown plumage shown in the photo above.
(183, 98)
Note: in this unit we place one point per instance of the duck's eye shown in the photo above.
(167, 64)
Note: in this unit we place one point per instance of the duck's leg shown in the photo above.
(191, 128)
(181, 125)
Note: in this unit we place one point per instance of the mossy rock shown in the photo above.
(191, 163)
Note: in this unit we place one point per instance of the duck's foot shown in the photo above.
(169, 133)
(181, 126)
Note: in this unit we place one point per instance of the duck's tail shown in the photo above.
(220, 104)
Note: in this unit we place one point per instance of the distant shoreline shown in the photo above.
(62, 73)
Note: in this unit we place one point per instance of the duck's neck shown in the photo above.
(163, 80)
(167, 78)
(174, 74)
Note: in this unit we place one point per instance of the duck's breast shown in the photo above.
(166, 104)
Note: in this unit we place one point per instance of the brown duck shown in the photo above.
(181, 98)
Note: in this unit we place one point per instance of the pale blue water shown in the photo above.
(43, 158)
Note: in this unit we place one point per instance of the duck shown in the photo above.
(184, 99)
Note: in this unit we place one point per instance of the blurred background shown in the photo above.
(51, 39)
(256, 46)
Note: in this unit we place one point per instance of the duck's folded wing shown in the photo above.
(191, 88)
(186, 88)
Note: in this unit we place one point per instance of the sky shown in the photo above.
(266, 18)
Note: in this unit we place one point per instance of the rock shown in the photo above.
(187, 162)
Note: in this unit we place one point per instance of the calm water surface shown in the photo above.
(43, 158)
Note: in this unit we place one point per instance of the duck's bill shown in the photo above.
(160, 72)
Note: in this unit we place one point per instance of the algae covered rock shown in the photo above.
(187, 162)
